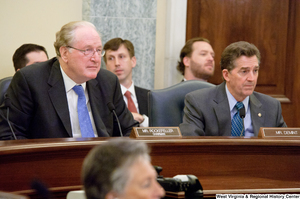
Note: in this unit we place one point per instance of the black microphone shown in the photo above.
(111, 107)
(242, 115)
(41, 189)
(7, 104)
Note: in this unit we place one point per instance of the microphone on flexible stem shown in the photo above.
(7, 104)
(242, 115)
(111, 107)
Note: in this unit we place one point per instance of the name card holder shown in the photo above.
(155, 132)
(270, 132)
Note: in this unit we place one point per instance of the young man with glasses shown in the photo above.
(67, 96)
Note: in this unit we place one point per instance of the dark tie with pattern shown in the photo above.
(130, 103)
(85, 123)
(237, 126)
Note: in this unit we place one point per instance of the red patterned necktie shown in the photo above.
(130, 103)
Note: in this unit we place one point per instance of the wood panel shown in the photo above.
(273, 26)
(228, 165)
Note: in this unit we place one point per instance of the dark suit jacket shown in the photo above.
(38, 106)
(142, 98)
(207, 112)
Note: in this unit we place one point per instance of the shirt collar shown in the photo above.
(69, 83)
(130, 89)
(232, 101)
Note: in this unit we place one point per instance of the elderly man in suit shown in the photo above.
(119, 59)
(216, 111)
(67, 96)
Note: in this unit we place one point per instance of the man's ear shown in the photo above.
(133, 61)
(63, 50)
(225, 74)
(186, 61)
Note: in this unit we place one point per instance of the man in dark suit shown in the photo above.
(213, 111)
(42, 100)
(197, 60)
(119, 59)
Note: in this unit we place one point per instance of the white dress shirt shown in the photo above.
(131, 89)
(72, 98)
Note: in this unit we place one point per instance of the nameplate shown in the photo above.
(155, 132)
(269, 132)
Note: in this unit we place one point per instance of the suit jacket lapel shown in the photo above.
(95, 103)
(141, 96)
(257, 114)
(57, 94)
(222, 111)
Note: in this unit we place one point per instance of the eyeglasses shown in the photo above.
(90, 52)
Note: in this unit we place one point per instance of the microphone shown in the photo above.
(7, 104)
(242, 115)
(111, 107)
(41, 189)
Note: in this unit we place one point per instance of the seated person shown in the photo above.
(66, 96)
(215, 111)
(119, 59)
(197, 60)
(28, 54)
(120, 168)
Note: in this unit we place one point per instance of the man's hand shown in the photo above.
(138, 117)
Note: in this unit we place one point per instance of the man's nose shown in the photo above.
(96, 57)
(117, 63)
(159, 190)
(251, 76)
(210, 57)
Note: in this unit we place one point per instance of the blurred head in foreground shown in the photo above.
(120, 168)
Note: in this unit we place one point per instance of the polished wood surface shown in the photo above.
(220, 163)
(273, 26)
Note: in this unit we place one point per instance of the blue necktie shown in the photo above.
(237, 126)
(85, 123)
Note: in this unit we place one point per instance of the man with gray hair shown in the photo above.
(120, 168)
(217, 111)
(66, 96)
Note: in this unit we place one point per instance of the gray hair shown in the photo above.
(66, 35)
(106, 167)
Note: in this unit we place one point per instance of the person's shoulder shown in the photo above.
(107, 79)
(137, 88)
(38, 70)
(41, 66)
(263, 98)
(106, 74)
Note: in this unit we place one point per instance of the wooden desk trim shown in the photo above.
(207, 153)
(21, 146)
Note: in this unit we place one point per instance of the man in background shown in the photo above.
(68, 95)
(28, 54)
(120, 168)
(232, 108)
(119, 59)
(196, 60)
